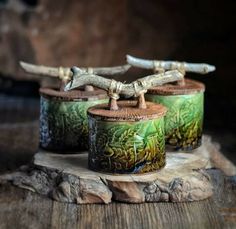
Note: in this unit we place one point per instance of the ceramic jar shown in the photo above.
(184, 119)
(63, 118)
(128, 140)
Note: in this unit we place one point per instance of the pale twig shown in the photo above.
(170, 65)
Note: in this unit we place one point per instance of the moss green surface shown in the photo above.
(184, 119)
(126, 147)
(64, 124)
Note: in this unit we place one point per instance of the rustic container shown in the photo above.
(184, 119)
(128, 140)
(63, 118)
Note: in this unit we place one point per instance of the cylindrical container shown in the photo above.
(184, 118)
(128, 140)
(63, 118)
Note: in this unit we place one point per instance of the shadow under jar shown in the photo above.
(127, 140)
(63, 118)
(184, 118)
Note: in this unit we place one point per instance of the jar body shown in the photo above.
(126, 147)
(184, 119)
(64, 124)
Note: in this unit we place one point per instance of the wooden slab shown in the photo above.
(66, 178)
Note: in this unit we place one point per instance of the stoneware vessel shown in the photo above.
(63, 115)
(184, 119)
(63, 118)
(126, 136)
(183, 98)
(129, 140)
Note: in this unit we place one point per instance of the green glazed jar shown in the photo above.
(128, 140)
(184, 118)
(63, 118)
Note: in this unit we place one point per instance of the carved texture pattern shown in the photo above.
(184, 119)
(64, 124)
(126, 147)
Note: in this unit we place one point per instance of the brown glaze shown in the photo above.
(78, 94)
(128, 111)
(190, 87)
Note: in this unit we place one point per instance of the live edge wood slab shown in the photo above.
(65, 178)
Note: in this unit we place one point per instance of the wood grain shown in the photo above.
(66, 178)
(23, 209)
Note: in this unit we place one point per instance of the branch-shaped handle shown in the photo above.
(170, 65)
(57, 72)
(65, 73)
(114, 88)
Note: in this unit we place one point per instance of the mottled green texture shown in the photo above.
(126, 147)
(184, 119)
(64, 124)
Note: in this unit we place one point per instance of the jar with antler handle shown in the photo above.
(184, 100)
(63, 115)
(125, 137)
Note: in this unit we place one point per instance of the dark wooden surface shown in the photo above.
(23, 209)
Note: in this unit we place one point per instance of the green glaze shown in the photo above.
(184, 119)
(64, 124)
(126, 147)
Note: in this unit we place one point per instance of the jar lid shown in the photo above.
(128, 111)
(73, 95)
(190, 87)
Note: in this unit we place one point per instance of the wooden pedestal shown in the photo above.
(66, 178)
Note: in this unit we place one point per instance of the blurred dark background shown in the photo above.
(101, 33)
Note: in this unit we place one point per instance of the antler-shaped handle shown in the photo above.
(65, 73)
(137, 88)
(170, 65)
(161, 66)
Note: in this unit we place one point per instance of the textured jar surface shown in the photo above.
(126, 147)
(64, 124)
(184, 119)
